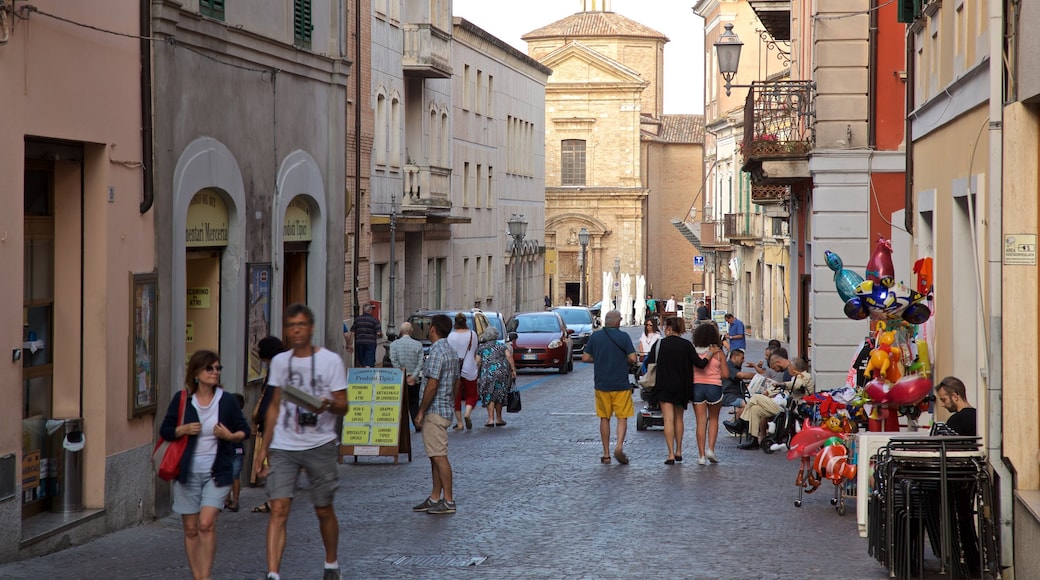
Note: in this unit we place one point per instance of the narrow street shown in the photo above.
(534, 502)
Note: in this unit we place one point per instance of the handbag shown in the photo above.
(649, 379)
(513, 401)
(166, 457)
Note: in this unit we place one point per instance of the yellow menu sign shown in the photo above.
(375, 397)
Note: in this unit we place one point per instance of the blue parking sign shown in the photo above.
(698, 263)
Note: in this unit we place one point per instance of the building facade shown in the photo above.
(604, 98)
(79, 224)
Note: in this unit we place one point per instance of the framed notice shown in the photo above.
(377, 422)
(258, 310)
(144, 295)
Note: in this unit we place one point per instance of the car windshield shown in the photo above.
(536, 324)
(575, 316)
(421, 325)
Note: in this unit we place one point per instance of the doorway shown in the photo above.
(202, 317)
(572, 292)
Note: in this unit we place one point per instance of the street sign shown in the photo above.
(698, 263)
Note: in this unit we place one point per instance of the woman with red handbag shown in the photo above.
(213, 423)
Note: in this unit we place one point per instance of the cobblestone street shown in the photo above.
(534, 502)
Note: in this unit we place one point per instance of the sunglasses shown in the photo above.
(214, 368)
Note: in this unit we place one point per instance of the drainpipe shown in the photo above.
(356, 258)
(872, 77)
(908, 133)
(146, 105)
(994, 245)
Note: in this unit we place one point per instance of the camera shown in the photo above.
(305, 419)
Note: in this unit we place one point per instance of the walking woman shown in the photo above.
(496, 377)
(650, 335)
(465, 343)
(213, 423)
(709, 369)
(675, 358)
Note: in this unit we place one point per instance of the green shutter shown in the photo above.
(212, 8)
(909, 10)
(302, 26)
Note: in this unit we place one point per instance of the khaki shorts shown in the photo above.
(435, 434)
(618, 403)
(321, 465)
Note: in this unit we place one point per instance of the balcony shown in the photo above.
(779, 132)
(743, 226)
(427, 52)
(427, 189)
(771, 196)
(775, 16)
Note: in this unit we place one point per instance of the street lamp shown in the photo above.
(391, 333)
(727, 50)
(583, 239)
(517, 229)
(617, 282)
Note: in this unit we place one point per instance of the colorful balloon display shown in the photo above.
(844, 280)
(877, 297)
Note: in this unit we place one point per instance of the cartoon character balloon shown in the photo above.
(844, 280)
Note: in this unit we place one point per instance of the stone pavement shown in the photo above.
(534, 502)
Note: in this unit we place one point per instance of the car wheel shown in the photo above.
(570, 364)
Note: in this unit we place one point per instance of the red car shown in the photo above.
(540, 340)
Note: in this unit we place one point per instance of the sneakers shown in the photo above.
(425, 505)
(702, 461)
(736, 426)
(710, 454)
(442, 507)
(753, 444)
(331, 574)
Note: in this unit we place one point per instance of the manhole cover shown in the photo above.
(439, 560)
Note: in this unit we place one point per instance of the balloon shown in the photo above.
(833, 463)
(908, 390)
(844, 280)
(879, 267)
(855, 309)
(808, 441)
(917, 313)
(889, 302)
(834, 441)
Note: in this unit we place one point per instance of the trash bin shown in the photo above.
(65, 449)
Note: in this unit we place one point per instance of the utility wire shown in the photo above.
(851, 14)
(30, 8)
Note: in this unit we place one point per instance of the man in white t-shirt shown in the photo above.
(303, 437)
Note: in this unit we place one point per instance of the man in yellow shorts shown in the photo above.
(612, 353)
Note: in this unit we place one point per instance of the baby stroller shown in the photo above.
(650, 415)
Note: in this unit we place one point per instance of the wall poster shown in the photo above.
(258, 304)
(144, 296)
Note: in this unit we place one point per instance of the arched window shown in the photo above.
(395, 131)
(379, 139)
(445, 139)
(572, 162)
(434, 139)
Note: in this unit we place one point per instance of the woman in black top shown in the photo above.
(675, 358)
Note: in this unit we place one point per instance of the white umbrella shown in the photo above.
(640, 298)
(608, 285)
(626, 299)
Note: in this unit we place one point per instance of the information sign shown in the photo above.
(377, 421)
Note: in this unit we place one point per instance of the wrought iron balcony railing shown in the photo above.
(744, 226)
(779, 123)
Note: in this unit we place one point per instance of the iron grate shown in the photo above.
(441, 560)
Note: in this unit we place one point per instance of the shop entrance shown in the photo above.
(296, 237)
(207, 235)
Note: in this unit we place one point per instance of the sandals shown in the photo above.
(231, 506)
(469, 423)
(605, 460)
(500, 424)
(621, 457)
(459, 427)
(263, 508)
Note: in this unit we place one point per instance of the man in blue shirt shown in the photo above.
(735, 334)
(612, 353)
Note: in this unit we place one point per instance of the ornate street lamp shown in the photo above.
(727, 50)
(583, 239)
(517, 230)
(617, 281)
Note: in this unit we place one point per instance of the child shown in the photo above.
(236, 467)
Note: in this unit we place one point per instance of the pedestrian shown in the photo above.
(735, 333)
(670, 306)
(702, 312)
(650, 335)
(651, 307)
(231, 503)
(548, 303)
(303, 437)
(267, 349)
(496, 375)
(365, 334)
(406, 353)
(709, 370)
(612, 354)
(675, 358)
(212, 423)
(465, 342)
(440, 384)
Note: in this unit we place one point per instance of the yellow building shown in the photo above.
(614, 163)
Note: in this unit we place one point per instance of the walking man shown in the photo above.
(612, 353)
(406, 353)
(366, 333)
(735, 334)
(440, 384)
(303, 438)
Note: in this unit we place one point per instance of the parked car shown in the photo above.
(541, 340)
(597, 315)
(581, 323)
(420, 320)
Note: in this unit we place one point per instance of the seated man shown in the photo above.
(763, 407)
(733, 426)
(732, 388)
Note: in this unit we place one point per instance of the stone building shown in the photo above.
(614, 163)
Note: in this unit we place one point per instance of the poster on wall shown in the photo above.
(144, 292)
(258, 304)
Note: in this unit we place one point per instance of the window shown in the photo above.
(467, 282)
(379, 139)
(572, 162)
(479, 105)
(445, 138)
(491, 170)
(478, 285)
(480, 185)
(490, 280)
(467, 88)
(395, 132)
(491, 96)
(302, 25)
(212, 8)
(465, 185)
(435, 139)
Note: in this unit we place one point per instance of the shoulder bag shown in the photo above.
(649, 379)
(166, 457)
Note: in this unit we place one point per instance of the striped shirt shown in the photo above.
(442, 364)
(406, 353)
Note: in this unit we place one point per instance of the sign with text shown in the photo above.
(374, 418)
(1020, 249)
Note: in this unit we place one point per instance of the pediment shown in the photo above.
(575, 62)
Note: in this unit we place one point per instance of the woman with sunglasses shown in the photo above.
(213, 423)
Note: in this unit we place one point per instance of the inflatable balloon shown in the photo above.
(808, 441)
(879, 267)
(888, 301)
(855, 309)
(917, 313)
(884, 356)
(908, 390)
(833, 463)
(844, 280)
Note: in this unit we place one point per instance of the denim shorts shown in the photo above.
(199, 491)
(710, 394)
(236, 466)
(733, 401)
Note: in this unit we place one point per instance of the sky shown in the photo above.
(683, 60)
